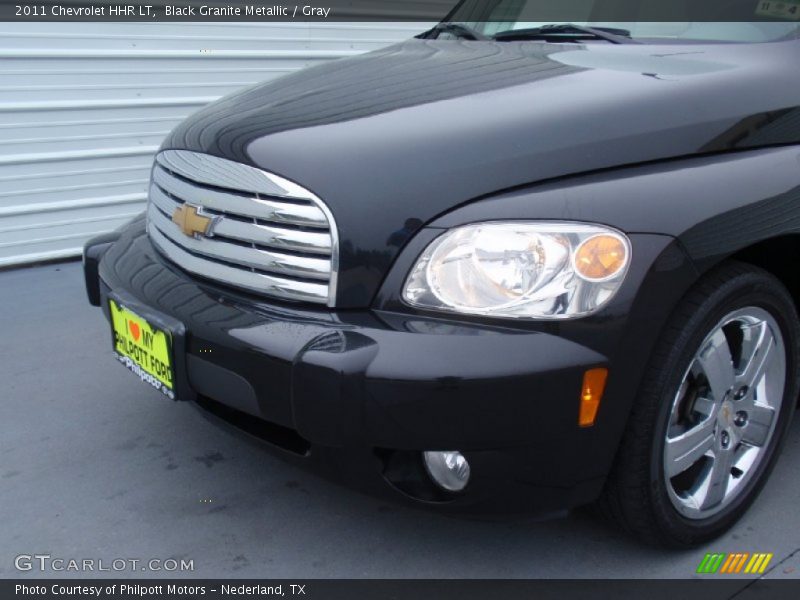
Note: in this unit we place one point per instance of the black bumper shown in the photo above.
(379, 386)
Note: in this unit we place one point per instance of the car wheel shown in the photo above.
(712, 411)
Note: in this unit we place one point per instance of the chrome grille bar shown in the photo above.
(306, 215)
(210, 170)
(287, 264)
(311, 242)
(257, 282)
(266, 234)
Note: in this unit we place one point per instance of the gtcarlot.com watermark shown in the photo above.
(46, 563)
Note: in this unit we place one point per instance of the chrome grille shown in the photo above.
(267, 234)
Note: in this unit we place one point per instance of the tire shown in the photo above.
(693, 404)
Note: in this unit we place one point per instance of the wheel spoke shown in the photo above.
(686, 449)
(744, 458)
(705, 406)
(717, 364)
(718, 479)
(756, 351)
(759, 424)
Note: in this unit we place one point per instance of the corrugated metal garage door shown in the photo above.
(83, 107)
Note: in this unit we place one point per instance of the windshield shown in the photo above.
(738, 20)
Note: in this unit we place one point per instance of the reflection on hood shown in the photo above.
(403, 75)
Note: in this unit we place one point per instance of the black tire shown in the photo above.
(636, 494)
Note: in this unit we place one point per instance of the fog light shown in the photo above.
(448, 469)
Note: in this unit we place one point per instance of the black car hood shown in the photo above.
(393, 138)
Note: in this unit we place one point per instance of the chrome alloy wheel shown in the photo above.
(724, 413)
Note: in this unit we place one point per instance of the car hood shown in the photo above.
(394, 138)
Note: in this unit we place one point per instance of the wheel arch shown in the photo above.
(773, 255)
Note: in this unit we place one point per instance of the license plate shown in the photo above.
(144, 349)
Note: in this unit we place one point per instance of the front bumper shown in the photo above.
(376, 385)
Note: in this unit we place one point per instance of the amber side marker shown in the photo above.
(594, 384)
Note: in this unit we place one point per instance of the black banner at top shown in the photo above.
(533, 11)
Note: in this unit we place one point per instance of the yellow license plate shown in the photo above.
(144, 349)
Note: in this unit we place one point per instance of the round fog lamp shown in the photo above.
(448, 469)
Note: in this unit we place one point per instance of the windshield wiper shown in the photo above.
(456, 29)
(567, 32)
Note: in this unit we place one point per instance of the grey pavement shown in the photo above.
(93, 464)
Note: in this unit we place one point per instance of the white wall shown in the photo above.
(83, 107)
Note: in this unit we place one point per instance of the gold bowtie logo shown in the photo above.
(191, 221)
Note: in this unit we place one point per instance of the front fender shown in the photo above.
(682, 217)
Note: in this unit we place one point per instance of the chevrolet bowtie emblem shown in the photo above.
(191, 221)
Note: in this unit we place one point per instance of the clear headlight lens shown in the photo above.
(522, 269)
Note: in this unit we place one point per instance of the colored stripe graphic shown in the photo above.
(758, 564)
(734, 562)
(710, 563)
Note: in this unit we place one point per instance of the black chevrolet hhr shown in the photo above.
(521, 265)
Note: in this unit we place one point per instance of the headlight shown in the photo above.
(522, 269)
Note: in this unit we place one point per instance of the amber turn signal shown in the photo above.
(594, 384)
(601, 257)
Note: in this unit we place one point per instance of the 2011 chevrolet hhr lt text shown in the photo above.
(503, 263)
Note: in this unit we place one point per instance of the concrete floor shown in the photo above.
(93, 464)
